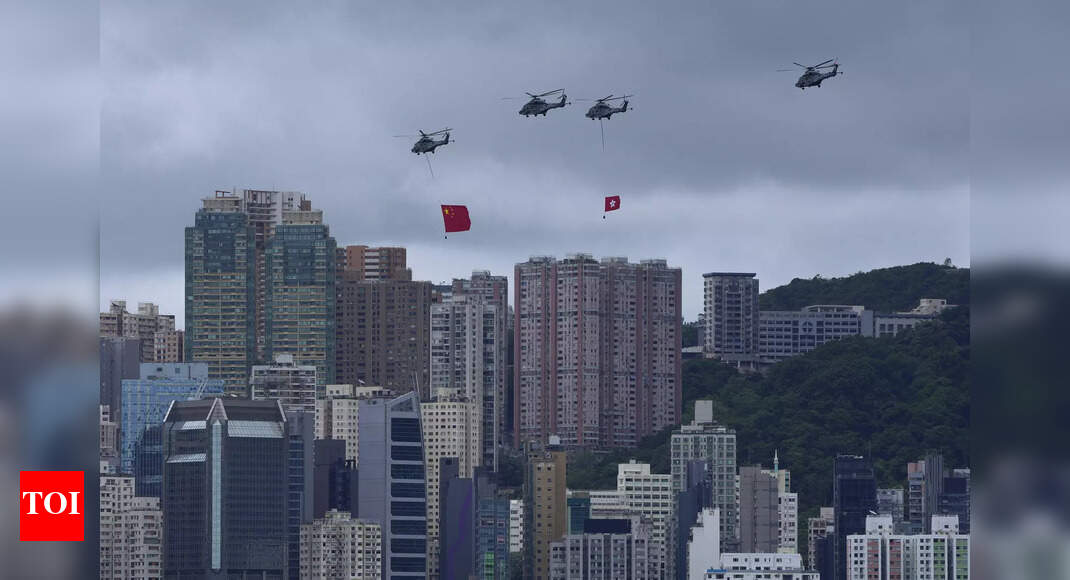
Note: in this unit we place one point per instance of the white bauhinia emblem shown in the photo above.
(612, 203)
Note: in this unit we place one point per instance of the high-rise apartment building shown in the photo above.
(608, 549)
(467, 363)
(120, 358)
(544, 506)
(955, 498)
(340, 547)
(596, 350)
(516, 526)
(292, 385)
(392, 482)
(451, 429)
(690, 504)
(130, 531)
(109, 438)
(168, 346)
(650, 495)
(146, 325)
(384, 334)
(881, 553)
(854, 497)
(225, 489)
(338, 415)
(365, 263)
(300, 471)
(759, 511)
(925, 481)
(768, 510)
(474, 526)
(145, 403)
(221, 293)
(494, 290)
(334, 478)
(266, 210)
(235, 267)
(890, 503)
(703, 543)
(716, 445)
(816, 529)
(731, 317)
(301, 295)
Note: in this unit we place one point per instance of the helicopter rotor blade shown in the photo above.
(824, 63)
(785, 70)
(551, 92)
(802, 65)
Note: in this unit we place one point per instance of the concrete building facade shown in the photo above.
(545, 519)
(882, 554)
(146, 325)
(293, 385)
(784, 334)
(451, 429)
(650, 495)
(340, 547)
(716, 445)
(368, 263)
(131, 529)
(596, 350)
(467, 362)
(610, 549)
(730, 314)
(384, 334)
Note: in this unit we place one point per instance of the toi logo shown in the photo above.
(51, 506)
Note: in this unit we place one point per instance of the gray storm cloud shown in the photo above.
(722, 164)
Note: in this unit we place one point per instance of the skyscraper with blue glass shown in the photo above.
(299, 311)
(221, 291)
(225, 489)
(392, 484)
(145, 401)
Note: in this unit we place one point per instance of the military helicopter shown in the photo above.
(602, 110)
(813, 75)
(538, 106)
(427, 142)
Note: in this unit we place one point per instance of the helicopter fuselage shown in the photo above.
(604, 111)
(428, 144)
(538, 106)
(814, 78)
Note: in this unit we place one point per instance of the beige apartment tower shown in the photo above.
(596, 350)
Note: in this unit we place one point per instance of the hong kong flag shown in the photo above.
(612, 202)
(456, 219)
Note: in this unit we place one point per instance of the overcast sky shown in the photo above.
(722, 165)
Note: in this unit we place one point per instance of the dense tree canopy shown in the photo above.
(893, 399)
(885, 290)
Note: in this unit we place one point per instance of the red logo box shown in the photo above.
(51, 506)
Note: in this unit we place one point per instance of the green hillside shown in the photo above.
(885, 290)
(893, 399)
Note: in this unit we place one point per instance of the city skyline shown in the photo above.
(169, 299)
(733, 156)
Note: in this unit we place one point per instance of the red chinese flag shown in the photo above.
(455, 217)
(612, 202)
